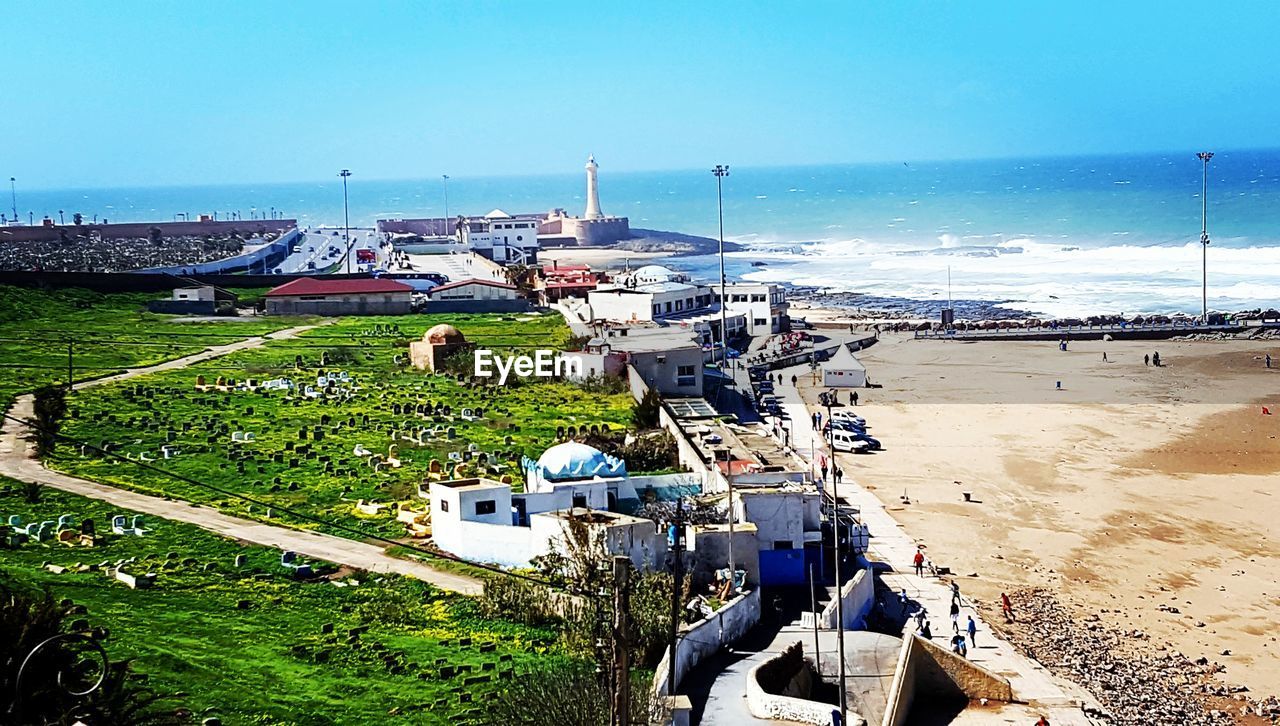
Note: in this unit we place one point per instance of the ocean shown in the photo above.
(1053, 236)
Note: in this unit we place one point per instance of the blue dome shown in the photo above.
(571, 461)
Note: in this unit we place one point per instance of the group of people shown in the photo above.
(832, 398)
(961, 640)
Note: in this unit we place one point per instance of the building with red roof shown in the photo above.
(327, 296)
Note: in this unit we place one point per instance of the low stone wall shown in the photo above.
(858, 594)
(926, 670)
(701, 639)
(778, 689)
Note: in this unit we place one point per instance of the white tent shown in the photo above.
(843, 370)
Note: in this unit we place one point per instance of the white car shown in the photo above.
(849, 416)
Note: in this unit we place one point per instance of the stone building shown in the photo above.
(436, 344)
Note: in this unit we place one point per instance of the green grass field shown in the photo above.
(303, 453)
(107, 332)
(271, 661)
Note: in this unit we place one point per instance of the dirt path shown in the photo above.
(18, 461)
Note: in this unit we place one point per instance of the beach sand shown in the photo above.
(1144, 495)
(599, 258)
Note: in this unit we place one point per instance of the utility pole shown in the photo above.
(722, 171)
(813, 606)
(728, 478)
(676, 541)
(1204, 156)
(13, 196)
(835, 508)
(621, 642)
(346, 217)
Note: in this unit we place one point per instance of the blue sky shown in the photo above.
(133, 93)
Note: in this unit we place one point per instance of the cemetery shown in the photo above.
(253, 635)
(335, 423)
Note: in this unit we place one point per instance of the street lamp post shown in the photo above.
(835, 508)
(346, 217)
(445, 178)
(61, 219)
(13, 196)
(1204, 156)
(721, 171)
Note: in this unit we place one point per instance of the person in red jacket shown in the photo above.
(1042, 722)
(919, 562)
(1007, 607)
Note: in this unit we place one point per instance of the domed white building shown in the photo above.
(570, 462)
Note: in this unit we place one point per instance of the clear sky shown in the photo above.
(148, 93)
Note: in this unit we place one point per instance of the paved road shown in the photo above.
(17, 460)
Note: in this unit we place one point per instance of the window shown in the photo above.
(757, 298)
(782, 544)
(679, 305)
(444, 505)
(761, 321)
(686, 375)
(580, 500)
(486, 506)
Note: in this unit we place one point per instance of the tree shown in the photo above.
(77, 219)
(45, 657)
(645, 413)
(566, 693)
(50, 407)
(155, 234)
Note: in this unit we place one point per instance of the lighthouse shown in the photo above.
(593, 190)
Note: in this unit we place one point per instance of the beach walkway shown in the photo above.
(18, 461)
(890, 544)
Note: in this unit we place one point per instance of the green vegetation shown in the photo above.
(251, 642)
(376, 436)
(108, 332)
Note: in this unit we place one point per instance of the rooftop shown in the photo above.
(473, 484)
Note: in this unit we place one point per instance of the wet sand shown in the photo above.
(1147, 496)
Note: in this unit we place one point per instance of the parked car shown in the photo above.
(846, 441)
(848, 416)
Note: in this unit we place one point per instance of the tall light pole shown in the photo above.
(835, 508)
(721, 171)
(445, 178)
(1204, 156)
(346, 217)
(13, 196)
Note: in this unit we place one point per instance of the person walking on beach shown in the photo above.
(1155, 359)
(1146, 359)
(955, 616)
(1042, 722)
(918, 560)
(972, 627)
(1104, 356)
(1007, 607)
(926, 631)
(955, 591)
(793, 380)
(853, 397)
(838, 474)
(1268, 360)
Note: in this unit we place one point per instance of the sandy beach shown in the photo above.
(599, 258)
(1145, 496)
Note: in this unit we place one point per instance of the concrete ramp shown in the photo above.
(932, 685)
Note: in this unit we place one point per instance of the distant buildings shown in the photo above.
(196, 300)
(512, 238)
(325, 296)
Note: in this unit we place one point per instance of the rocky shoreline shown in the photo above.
(674, 244)
(1137, 681)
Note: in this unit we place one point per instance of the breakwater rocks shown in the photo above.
(672, 243)
(861, 306)
(1138, 682)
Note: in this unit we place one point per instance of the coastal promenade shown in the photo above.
(1059, 701)
(1117, 331)
(18, 461)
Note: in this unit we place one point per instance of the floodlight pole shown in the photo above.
(445, 177)
(1204, 156)
(835, 509)
(13, 197)
(721, 171)
(346, 217)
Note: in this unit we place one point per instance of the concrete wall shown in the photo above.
(478, 306)
(507, 546)
(928, 671)
(259, 260)
(373, 304)
(704, 638)
(711, 552)
(183, 307)
(778, 690)
(859, 595)
(143, 229)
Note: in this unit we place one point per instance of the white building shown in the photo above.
(500, 237)
(475, 289)
(483, 521)
(670, 361)
(763, 305)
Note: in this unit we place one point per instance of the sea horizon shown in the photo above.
(1060, 236)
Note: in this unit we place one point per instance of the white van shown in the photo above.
(846, 441)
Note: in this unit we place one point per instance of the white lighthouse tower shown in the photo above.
(593, 190)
